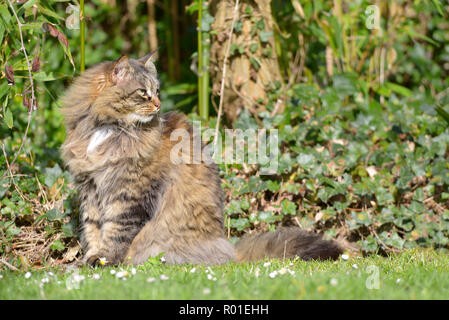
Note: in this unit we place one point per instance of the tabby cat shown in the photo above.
(135, 203)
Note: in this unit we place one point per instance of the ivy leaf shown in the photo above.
(53, 214)
(273, 186)
(235, 47)
(240, 224)
(52, 174)
(254, 63)
(253, 47)
(67, 228)
(57, 245)
(265, 35)
(260, 24)
(288, 207)
(267, 216)
(13, 230)
(234, 207)
(238, 26)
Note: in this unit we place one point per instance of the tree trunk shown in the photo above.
(252, 67)
(152, 32)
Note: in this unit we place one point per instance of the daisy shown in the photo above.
(206, 291)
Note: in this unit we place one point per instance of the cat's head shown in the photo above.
(128, 92)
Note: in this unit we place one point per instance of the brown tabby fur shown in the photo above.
(136, 203)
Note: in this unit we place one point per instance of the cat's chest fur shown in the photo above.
(117, 166)
(97, 138)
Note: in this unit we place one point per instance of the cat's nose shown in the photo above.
(156, 102)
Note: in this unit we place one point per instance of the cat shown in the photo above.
(135, 203)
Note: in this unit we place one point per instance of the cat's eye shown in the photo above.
(143, 93)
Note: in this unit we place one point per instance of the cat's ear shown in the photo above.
(120, 70)
(149, 59)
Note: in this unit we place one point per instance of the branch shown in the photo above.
(220, 106)
(33, 98)
(10, 266)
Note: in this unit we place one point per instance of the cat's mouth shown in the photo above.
(146, 113)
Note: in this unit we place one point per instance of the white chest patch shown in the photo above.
(133, 117)
(98, 138)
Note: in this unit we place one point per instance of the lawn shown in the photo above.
(414, 274)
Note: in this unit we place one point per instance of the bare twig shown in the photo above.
(10, 266)
(8, 169)
(33, 98)
(223, 77)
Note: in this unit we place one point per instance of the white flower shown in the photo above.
(283, 271)
(290, 264)
(163, 260)
(112, 271)
(150, 279)
(354, 266)
(103, 261)
(206, 291)
(273, 274)
(78, 278)
(344, 256)
(257, 272)
(51, 274)
(210, 277)
(96, 276)
(121, 274)
(1, 276)
(192, 270)
(398, 280)
(45, 280)
(164, 277)
(334, 282)
(267, 264)
(27, 275)
(133, 271)
(291, 272)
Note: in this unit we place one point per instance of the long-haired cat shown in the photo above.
(137, 203)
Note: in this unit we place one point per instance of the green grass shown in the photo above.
(417, 274)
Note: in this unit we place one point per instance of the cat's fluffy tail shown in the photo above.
(286, 243)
